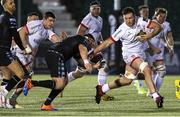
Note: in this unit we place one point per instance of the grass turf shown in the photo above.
(78, 100)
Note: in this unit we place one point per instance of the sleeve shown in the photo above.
(15, 34)
(117, 35)
(17, 39)
(32, 26)
(50, 34)
(86, 22)
(168, 28)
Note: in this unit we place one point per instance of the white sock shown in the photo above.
(70, 77)
(155, 95)
(102, 77)
(159, 81)
(3, 90)
(155, 77)
(105, 88)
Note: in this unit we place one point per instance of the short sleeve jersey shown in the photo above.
(37, 33)
(93, 25)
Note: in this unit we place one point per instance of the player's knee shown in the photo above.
(144, 67)
(129, 75)
(60, 83)
(118, 83)
(161, 70)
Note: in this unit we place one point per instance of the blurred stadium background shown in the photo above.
(70, 12)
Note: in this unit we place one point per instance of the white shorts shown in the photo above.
(130, 57)
(26, 60)
(155, 57)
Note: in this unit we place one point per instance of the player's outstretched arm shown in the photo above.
(103, 45)
(84, 55)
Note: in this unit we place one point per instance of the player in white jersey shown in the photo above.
(92, 24)
(133, 54)
(35, 31)
(165, 36)
(144, 13)
(148, 47)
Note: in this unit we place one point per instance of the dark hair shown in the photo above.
(160, 10)
(90, 36)
(32, 13)
(49, 14)
(143, 7)
(127, 10)
(95, 3)
(3, 2)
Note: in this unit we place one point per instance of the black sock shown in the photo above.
(4, 82)
(15, 95)
(52, 96)
(12, 82)
(45, 83)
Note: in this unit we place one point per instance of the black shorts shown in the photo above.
(56, 64)
(6, 58)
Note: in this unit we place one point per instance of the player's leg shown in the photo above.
(102, 79)
(123, 80)
(26, 63)
(78, 73)
(161, 71)
(139, 64)
(4, 102)
(56, 65)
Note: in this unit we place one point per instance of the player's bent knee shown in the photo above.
(129, 75)
(142, 66)
(161, 70)
(60, 83)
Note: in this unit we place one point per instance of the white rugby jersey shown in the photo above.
(93, 25)
(37, 33)
(128, 36)
(157, 41)
(146, 29)
(166, 28)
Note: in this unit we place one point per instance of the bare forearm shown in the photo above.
(103, 45)
(23, 36)
(83, 52)
(170, 39)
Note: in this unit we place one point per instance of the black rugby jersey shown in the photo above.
(70, 46)
(8, 30)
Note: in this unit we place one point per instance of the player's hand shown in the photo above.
(97, 65)
(63, 35)
(88, 67)
(27, 50)
(141, 38)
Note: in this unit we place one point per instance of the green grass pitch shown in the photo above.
(78, 100)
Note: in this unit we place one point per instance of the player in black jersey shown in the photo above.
(8, 30)
(56, 57)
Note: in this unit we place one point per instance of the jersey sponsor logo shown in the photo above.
(12, 19)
